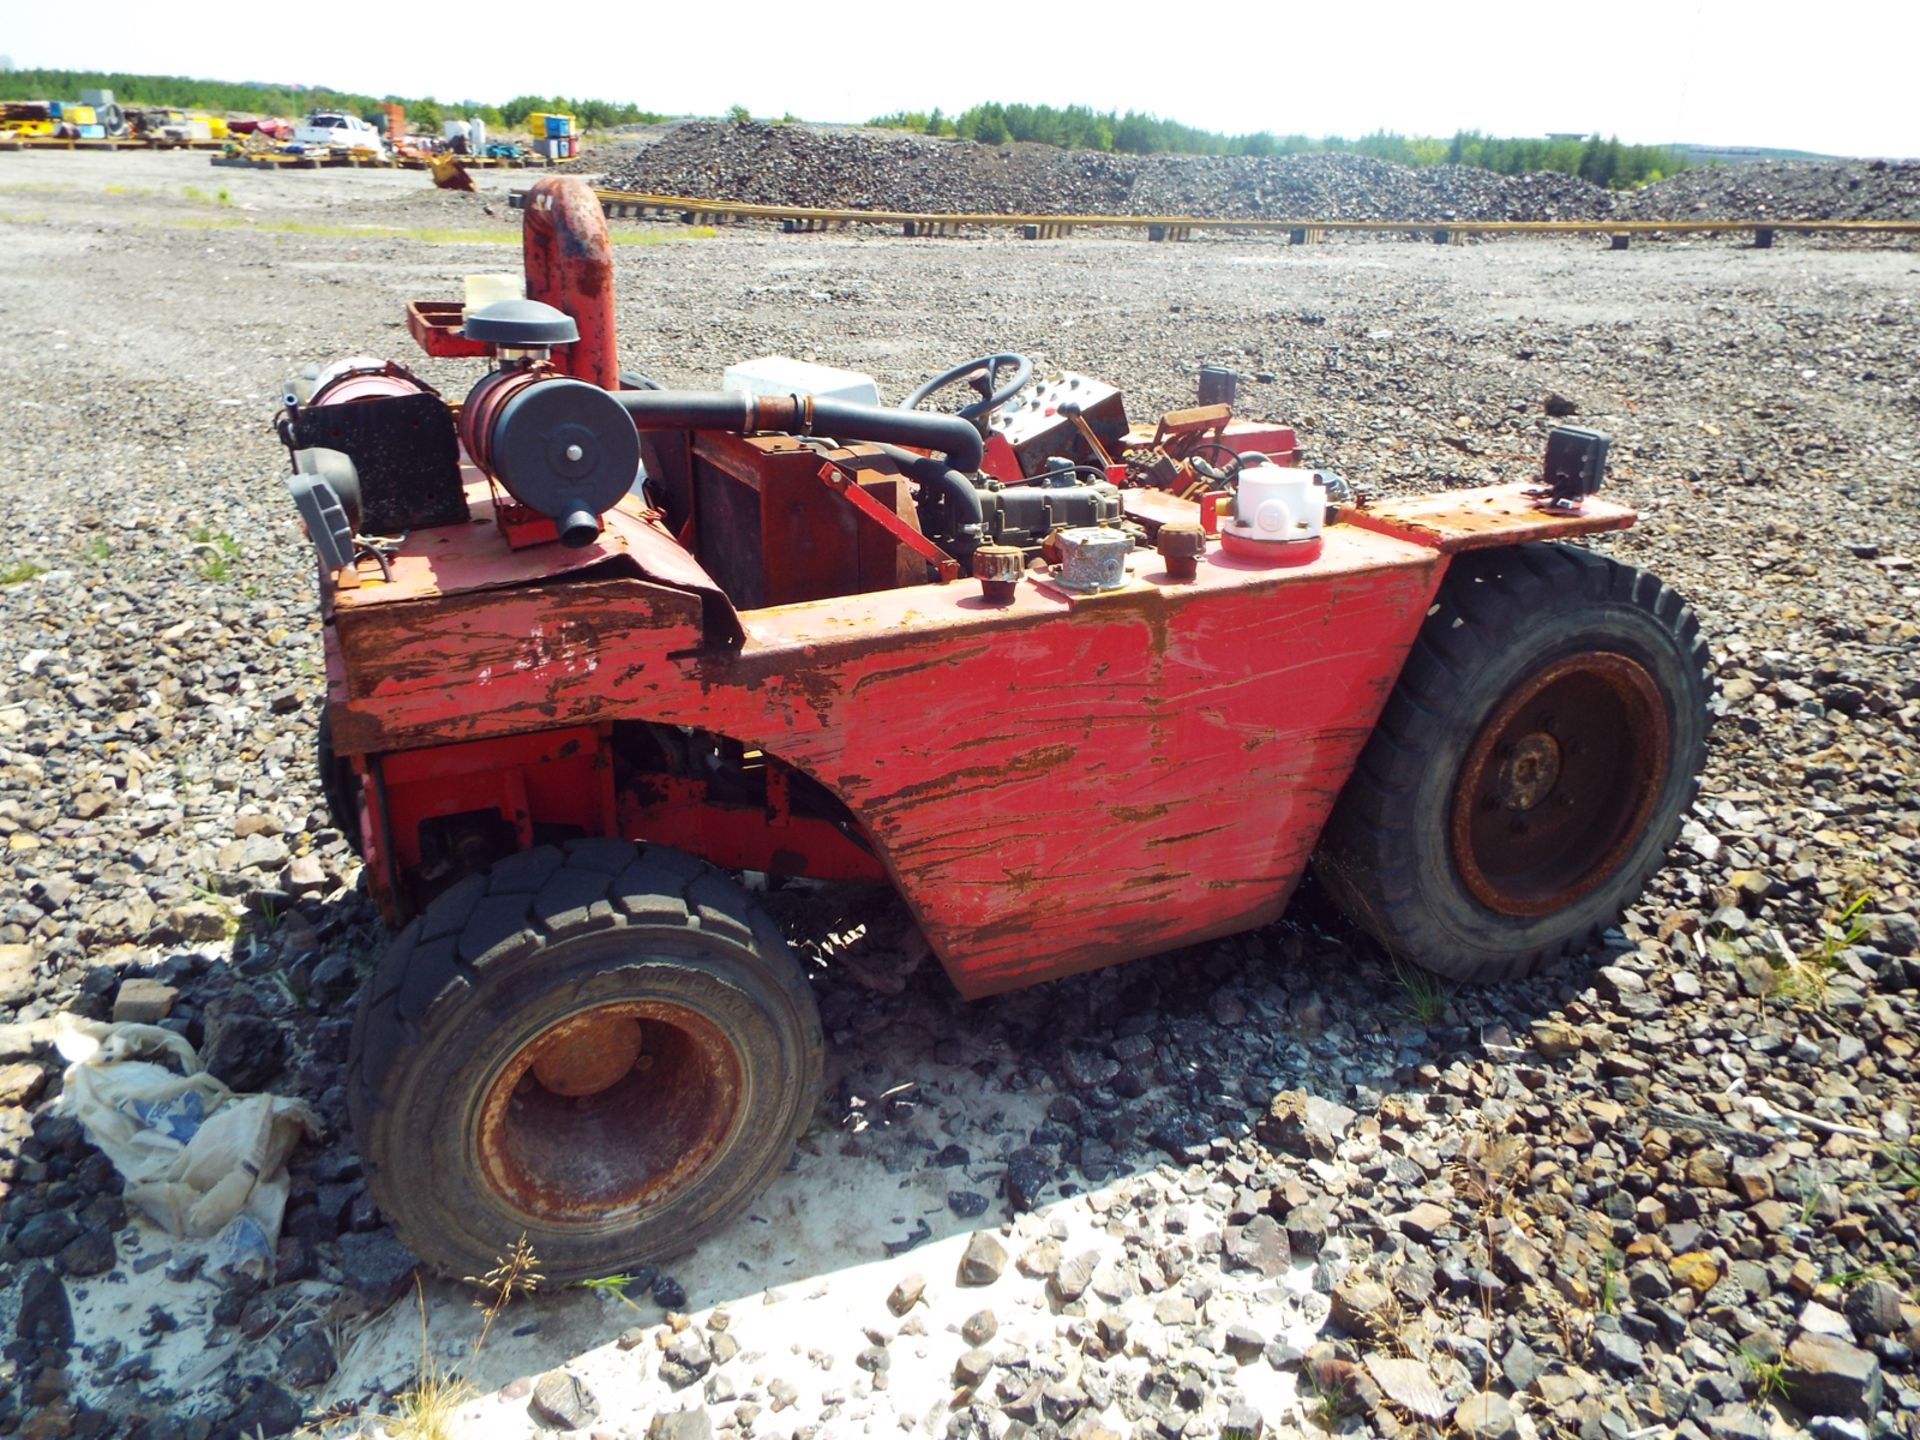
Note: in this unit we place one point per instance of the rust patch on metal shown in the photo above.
(593, 1148)
(1559, 784)
(588, 1056)
(1478, 519)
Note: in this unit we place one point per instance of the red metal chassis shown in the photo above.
(1052, 785)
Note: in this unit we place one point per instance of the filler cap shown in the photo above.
(521, 325)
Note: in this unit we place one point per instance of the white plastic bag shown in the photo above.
(198, 1160)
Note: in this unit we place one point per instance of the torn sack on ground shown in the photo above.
(200, 1161)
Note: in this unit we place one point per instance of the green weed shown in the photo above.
(428, 1405)
(614, 1285)
(1327, 1404)
(213, 553)
(424, 234)
(1769, 1376)
(95, 549)
(1899, 1168)
(1610, 1282)
(18, 570)
(1809, 1195)
(1847, 1279)
(1424, 996)
(1803, 979)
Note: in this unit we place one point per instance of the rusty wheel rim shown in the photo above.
(1559, 784)
(611, 1111)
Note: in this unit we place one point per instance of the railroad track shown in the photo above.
(628, 204)
(270, 160)
(125, 142)
(357, 161)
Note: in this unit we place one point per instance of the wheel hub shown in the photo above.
(588, 1057)
(608, 1112)
(1529, 773)
(1560, 784)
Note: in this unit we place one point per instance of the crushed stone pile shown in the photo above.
(1784, 189)
(792, 164)
(892, 170)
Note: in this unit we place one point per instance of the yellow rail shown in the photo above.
(124, 142)
(622, 203)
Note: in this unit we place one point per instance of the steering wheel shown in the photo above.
(981, 375)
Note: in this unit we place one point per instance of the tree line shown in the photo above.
(1079, 127)
(1076, 127)
(188, 93)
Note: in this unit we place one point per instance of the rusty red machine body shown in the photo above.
(1078, 691)
(1055, 784)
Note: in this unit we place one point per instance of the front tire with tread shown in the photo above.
(1503, 618)
(506, 960)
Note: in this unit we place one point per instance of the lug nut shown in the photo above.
(1181, 543)
(998, 568)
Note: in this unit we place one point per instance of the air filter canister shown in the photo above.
(559, 446)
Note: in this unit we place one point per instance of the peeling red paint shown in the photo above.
(1055, 784)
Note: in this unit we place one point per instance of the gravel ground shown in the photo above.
(1265, 1185)
(894, 170)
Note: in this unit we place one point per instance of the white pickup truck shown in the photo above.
(336, 127)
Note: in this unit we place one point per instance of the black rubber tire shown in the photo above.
(1501, 617)
(503, 956)
(339, 786)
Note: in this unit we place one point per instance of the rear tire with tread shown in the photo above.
(504, 962)
(1505, 618)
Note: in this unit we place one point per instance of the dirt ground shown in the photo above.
(1764, 408)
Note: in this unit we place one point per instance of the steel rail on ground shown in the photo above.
(623, 204)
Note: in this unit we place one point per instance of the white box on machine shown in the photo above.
(783, 375)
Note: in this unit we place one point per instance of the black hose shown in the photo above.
(949, 434)
(724, 410)
(962, 494)
(686, 409)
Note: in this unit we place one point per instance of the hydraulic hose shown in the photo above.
(962, 494)
(801, 415)
(934, 473)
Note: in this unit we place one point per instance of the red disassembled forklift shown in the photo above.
(1078, 691)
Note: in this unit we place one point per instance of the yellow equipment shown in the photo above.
(26, 117)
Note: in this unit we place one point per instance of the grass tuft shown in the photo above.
(1899, 1169)
(427, 1407)
(1769, 1376)
(427, 235)
(214, 552)
(1610, 1281)
(1803, 979)
(1424, 996)
(16, 571)
(614, 1285)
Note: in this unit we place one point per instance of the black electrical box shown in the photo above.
(1576, 461)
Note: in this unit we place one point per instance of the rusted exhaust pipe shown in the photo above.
(569, 265)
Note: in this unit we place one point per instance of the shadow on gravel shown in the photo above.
(1249, 1059)
(942, 1117)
